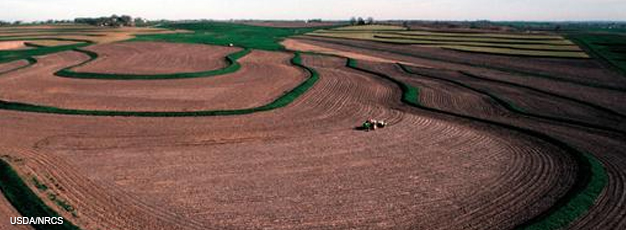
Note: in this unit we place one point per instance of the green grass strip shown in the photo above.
(576, 202)
(282, 101)
(512, 107)
(31, 61)
(512, 52)
(503, 41)
(526, 37)
(25, 201)
(523, 73)
(13, 55)
(232, 67)
(410, 95)
(591, 177)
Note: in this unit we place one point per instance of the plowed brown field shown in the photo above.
(612, 99)
(12, 45)
(303, 166)
(263, 77)
(306, 165)
(156, 58)
(9, 66)
(608, 146)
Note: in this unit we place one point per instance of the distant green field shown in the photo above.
(536, 45)
(609, 47)
(221, 33)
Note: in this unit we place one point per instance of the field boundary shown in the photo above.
(14, 55)
(231, 59)
(512, 84)
(506, 70)
(25, 201)
(31, 61)
(451, 34)
(591, 177)
(225, 33)
(510, 105)
(514, 55)
(594, 53)
(562, 49)
(281, 101)
(451, 42)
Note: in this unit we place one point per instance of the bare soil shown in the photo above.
(156, 58)
(607, 98)
(8, 66)
(263, 77)
(304, 166)
(298, 45)
(607, 146)
(12, 45)
(574, 69)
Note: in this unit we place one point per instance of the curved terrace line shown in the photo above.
(451, 42)
(44, 50)
(591, 177)
(28, 38)
(31, 61)
(460, 49)
(480, 36)
(494, 48)
(512, 84)
(485, 66)
(14, 55)
(232, 67)
(280, 102)
(48, 37)
(511, 107)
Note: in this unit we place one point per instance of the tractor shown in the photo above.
(372, 124)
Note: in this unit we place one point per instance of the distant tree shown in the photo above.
(17, 22)
(3, 23)
(557, 28)
(369, 20)
(103, 21)
(352, 21)
(126, 20)
(360, 21)
(406, 25)
(113, 20)
(139, 21)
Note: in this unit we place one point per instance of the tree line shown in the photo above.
(361, 21)
(113, 21)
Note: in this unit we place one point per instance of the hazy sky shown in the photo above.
(29, 10)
